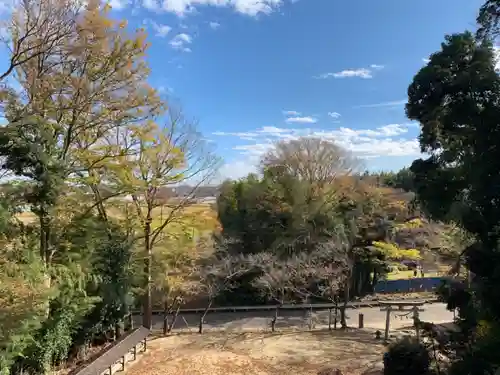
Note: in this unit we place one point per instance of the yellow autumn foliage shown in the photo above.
(410, 224)
(393, 252)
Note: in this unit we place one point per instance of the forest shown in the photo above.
(90, 228)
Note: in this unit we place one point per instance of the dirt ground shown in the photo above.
(294, 353)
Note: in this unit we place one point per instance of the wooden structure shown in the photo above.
(401, 307)
(117, 353)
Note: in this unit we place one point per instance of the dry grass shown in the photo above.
(26, 217)
(304, 353)
(200, 216)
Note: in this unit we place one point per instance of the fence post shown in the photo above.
(165, 318)
(361, 323)
(416, 322)
(330, 319)
(131, 321)
(387, 323)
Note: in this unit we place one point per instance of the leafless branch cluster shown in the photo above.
(314, 160)
(38, 29)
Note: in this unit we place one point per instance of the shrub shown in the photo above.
(406, 356)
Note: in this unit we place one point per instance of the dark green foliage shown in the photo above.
(277, 214)
(112, 270)
(456, 99)
(22, 294)
(402, 179)
(407, 357)
(488, 20)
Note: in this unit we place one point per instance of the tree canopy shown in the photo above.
(456, 99)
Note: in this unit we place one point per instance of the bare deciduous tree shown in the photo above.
(217, 274)
(275, 281)
(332, 269)
(314, 160)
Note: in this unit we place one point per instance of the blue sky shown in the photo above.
(254, 71)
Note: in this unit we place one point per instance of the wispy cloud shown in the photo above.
(247, 7)
(291, 113)
(214, 25)
(334, 115)
(301, 120)
(362, 73)
(180, 42)
(350, 73)
(272, 130)
(387, 140)
(161, 30)
(294, 117)
(394, 103)
(236, 134)
(426, 60)
(151, 4)
(118, 4)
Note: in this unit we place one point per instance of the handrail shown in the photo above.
(305, 306)
(116, 352)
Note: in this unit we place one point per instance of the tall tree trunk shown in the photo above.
(147, 303)
(174, 318)
(45, 251)
(343, 320)
(202, 318)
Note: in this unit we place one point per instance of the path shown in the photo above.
(256, 321)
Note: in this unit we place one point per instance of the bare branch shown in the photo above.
(313, 160)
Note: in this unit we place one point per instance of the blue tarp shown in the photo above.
(422, 284)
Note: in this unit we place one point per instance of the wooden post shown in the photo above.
(361, 323)
(311, 324)
(165, 318)
(145, 345)
(416, 322)
(387, 323)
(118, 329)
(123, 363)
(130, 321)
(110, 369)
(330, 319)
(135, 352)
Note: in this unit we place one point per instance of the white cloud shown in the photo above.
(301, 120)
(291, 113)
(118, 4)
(214, 25)
(180, 41)
(237, 134)
(393, 103)
(272, 130)
(237, 169)
(334, 115)
(386, 140)
(350, 73)
(151, 4)
(160, 29)
(247, 7)
(362, 73)
(294, 117)
(426, 60)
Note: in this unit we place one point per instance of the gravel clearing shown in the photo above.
(354, 352)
